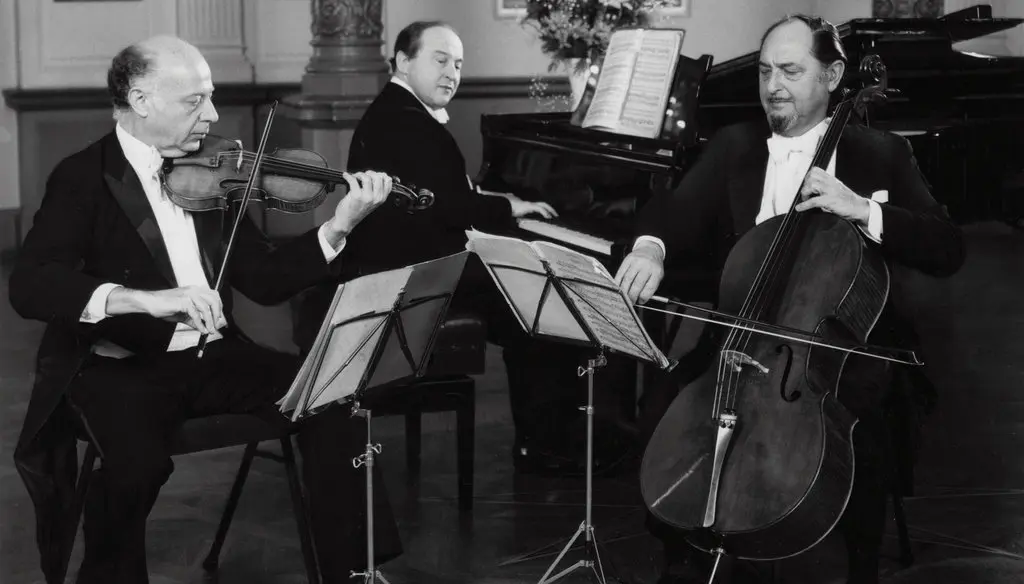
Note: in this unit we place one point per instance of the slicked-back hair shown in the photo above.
(411, 38)
(126, 67)
(826, 46)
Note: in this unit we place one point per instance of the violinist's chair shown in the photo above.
(202, 435)
(459, 352)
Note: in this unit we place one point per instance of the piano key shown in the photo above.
(567, 236)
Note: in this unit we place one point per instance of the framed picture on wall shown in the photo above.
(907, 8)
(511, 8)
(677, 8)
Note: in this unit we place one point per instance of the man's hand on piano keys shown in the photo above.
(521, 208)
(641, 272)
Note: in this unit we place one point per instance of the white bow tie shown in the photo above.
(781, 147)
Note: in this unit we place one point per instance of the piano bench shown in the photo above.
(459, 351)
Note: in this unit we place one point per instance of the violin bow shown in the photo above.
(241, 213)
(901, 356)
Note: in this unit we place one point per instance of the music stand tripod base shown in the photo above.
(592, 555)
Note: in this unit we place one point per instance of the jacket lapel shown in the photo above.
(124, 185)
(746, 186)
(209, 227)
(849, 169)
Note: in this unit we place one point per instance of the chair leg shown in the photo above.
(213, 557)
(906, 553)
(465, 430)
(81, 490)
(301, 514)
(413, 445)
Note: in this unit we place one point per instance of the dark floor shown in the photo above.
(967, 520)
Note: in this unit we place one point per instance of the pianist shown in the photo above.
(403, 133)
(802, 62)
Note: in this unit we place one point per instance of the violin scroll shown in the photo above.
(410, 199)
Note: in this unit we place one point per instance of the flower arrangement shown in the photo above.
(580, 29)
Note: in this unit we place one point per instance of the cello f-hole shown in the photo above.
(784, 374)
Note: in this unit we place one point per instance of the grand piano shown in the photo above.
(962, 112)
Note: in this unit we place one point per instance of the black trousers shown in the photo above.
(862, 523)
(132, 406)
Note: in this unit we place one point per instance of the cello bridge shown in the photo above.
(735, 360)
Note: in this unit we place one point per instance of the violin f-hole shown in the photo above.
(784, 373)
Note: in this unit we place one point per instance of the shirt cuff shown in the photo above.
(96, 309)
(650, 239)
(329, 252)
(874, 229)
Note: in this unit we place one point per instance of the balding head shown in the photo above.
(161, 89)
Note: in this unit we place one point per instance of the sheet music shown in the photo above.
(644, 107)
(520, 275)
(613, 82)
(601, 303)
(338, 359)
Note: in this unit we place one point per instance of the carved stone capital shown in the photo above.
(347, 68)
(353, 19)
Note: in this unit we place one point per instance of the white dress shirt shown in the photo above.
(439, 114)
(179, 235)
(789, 159)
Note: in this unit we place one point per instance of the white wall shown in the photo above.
(9, 184)
(729, 28)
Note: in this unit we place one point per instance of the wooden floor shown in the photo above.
(967, 520)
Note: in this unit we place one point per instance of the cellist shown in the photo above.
(751, 172)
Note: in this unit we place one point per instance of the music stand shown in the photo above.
(565, 296)
(378, 332)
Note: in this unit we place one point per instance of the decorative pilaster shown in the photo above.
(215, 28)
(347, 68)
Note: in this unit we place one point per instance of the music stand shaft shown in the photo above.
(371, 575)
(593, 555)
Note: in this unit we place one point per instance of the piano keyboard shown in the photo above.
(567, 236)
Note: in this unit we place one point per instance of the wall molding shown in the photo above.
(235, 94)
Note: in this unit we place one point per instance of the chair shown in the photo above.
(212, 433)
(459, 352)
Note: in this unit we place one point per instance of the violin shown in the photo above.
(221, 174)
(754, 458)
(292, 180)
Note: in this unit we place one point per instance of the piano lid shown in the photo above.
(910, 47)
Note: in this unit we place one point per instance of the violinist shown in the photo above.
(123, 279)
(751, 172)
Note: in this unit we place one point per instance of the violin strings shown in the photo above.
(313, 171)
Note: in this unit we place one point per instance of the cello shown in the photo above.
(754, 458)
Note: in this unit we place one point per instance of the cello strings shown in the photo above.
(767, 280)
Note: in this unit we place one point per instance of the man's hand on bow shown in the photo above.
(199, 307)
(823, 191)
(641, 272)
(366, 191)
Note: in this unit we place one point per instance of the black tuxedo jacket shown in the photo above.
(718, 199)
(95, 225)
(398, 136)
